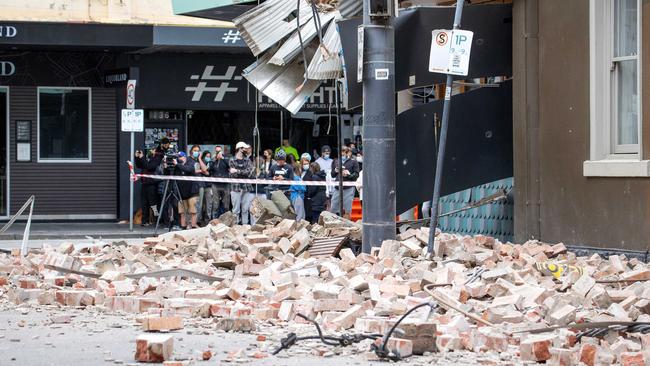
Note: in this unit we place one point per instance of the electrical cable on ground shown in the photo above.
(343, 340)
(380, 350)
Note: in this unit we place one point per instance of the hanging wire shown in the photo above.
(302, 47)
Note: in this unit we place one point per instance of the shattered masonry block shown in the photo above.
(241, 325)
(402, 347)
(154, 347)
(536, 348)
(164, 323)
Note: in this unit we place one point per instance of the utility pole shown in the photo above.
(378, 76)
(446, 110)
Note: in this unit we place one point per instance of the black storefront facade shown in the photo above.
(62, 88)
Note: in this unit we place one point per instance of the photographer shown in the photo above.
(149, 165)
(220, 191)
(189, 190)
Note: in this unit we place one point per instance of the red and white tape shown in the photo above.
(135, 176)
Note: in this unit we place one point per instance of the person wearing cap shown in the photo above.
(288, 149)
(189, 190)
(241, 194)
(297, 194)
(280, 170)
(350, 173)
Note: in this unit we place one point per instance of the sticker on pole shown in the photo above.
(132, 120)
(450, 51)
(360, 54)
(130, 94)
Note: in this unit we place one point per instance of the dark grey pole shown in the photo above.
(443, 142)
(339, 139)
(378, 130)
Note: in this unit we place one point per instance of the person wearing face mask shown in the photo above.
(325, 164)
(316, 196)
(325, 161)
(189, 190)
(297, 194)
(219, 168)
(281, 170)
(306, 175)
(350, 173)
(360, 160)
(241, 194)
(204, 208)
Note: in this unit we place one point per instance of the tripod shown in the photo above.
(168, 198)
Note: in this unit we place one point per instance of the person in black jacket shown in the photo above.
(149, 164)
(316, 194)
(350, 173)
(189, 190)
(281, 170)
(220, 191)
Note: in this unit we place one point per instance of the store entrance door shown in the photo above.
(4, 161)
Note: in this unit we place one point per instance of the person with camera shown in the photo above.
(241, 194)
(220, 168)
(189, 190)
(149, 165)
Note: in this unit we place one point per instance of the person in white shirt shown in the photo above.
(325, 161)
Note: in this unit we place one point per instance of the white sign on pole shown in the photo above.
(450, 51)
(130, 94)
(132, 120)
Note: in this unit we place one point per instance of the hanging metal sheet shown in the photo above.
(268, 23)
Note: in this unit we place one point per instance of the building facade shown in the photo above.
(582, 122)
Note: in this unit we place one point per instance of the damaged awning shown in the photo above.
(225, 10)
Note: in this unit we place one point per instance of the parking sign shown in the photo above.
(450, 51)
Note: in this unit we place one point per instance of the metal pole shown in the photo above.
(131, 187)
(443, 142)
(378, 129)
(339, 138)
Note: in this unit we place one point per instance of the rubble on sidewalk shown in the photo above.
(489, 294)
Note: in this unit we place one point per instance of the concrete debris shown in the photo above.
(491, 290)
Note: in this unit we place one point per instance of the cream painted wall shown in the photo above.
(100, 11)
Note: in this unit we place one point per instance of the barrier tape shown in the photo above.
(135, 176)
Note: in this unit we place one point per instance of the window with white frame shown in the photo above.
(64, 124)
(615, 88)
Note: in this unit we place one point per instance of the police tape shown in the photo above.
(135, 176)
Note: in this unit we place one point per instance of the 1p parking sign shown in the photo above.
(450, 51)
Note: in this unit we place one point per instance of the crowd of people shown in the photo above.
(194, 203)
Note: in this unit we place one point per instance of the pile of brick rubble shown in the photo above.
(486, 296)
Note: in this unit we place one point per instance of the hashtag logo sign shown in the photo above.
(231, 37)
(220, 91)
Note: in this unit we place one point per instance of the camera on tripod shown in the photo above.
(170, 159)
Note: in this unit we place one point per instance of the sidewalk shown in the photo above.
(78, 230)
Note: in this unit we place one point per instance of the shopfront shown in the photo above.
(203, 99)
(58, 121)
